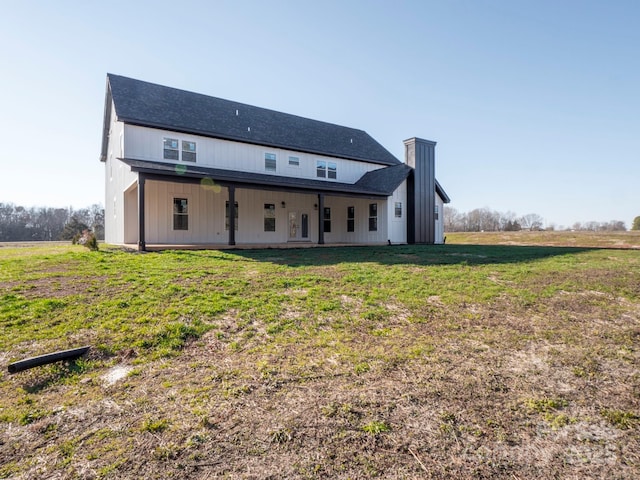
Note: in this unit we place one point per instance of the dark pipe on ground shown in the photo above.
(28, 363)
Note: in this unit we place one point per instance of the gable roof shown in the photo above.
(151, 105)
(443, 195)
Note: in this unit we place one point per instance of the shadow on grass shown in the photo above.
(408, 254)
(54, 374)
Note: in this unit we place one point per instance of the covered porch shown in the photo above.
(191, 208)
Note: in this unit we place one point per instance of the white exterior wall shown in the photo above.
(439, 233)
(147, 144)
(398, 226)
(118, 177)
(207, 216)
(361, 233)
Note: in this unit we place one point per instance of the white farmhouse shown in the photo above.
(190, 170)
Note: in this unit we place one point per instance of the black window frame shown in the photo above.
(326, 219)
(373, 217)
(180, 214)
(351, 219)
(269, 217)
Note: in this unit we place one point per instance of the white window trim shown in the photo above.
(326, 169)
(295, 165)
(180, 149)
(275, 160)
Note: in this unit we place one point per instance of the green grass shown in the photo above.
(306, 358)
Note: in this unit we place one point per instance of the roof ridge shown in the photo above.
(280, 112)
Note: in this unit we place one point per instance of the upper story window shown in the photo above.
(326, 169)
(294, 161)
(436, 213)
(270, 162)
(173, 149)
(332, 170)
(188, 151)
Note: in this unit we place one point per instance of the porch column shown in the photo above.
(321, 219)
(141, 240)
(232, 215)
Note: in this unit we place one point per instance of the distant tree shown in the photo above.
(636, 224)
(531, 221)
(73, 229)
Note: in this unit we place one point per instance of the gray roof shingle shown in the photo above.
(151, 105)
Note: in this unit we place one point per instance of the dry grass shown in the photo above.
(530, 373)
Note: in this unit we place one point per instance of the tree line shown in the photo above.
(21, 224)
(487, 220)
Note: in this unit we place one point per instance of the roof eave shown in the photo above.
(106, 122)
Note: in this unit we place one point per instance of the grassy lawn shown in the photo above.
(467, 360)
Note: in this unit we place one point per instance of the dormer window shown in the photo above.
(174, 149)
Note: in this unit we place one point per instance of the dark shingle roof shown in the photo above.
(151, 105)
(385, 179)
(389, 178)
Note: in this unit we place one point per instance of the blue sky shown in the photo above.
(535, 105)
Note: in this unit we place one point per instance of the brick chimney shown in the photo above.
(421, 190)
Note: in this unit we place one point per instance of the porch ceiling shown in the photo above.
(390, 179)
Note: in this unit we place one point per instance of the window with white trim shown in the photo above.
(435, 213)
(269, 217)
(270, 162)
(373, 217)
(332, 170)
(188, 151)
(180, 214)
(326, 169)
(398, 209)
(171, 151)
(294, 161)
(174, 149)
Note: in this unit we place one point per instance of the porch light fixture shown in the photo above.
(283, 204)
(315, 206)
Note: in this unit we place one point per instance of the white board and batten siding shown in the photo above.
(439, 222)
(206, 213)
(147, 144)
(118, 178)
(398, 225)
